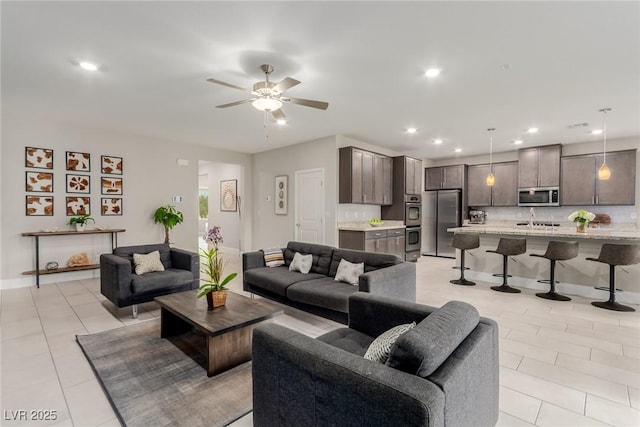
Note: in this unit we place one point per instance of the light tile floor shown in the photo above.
(562, 363)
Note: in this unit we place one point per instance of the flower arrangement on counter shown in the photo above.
(582, 218)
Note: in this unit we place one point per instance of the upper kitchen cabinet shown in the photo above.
(503, 193)
(539, 166)
(412, 175)
(580, 184)
(365, 177)
(445, 177)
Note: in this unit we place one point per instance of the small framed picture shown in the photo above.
(39, 182)
(229, 195)
(78, 206)
(39, 206)
(281, 194)
(40, 158)
(111, 206)
(111, 165)
(111, 186)
(78, 183)
(79, 162)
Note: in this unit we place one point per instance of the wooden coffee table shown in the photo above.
(227, 329)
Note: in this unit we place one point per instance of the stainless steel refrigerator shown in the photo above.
(440, 210)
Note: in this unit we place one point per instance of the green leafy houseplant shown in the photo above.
(212, 267)
(169, 217)
(80, 221)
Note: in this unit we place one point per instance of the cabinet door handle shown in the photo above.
(593, 200)
(377, 244)
(597, 200)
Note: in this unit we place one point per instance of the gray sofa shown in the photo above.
(317, 292)
(120, 285)
(444, 372)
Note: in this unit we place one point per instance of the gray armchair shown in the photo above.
(442, 372)
(120, 285)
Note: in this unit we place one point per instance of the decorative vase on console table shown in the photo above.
(582, 219)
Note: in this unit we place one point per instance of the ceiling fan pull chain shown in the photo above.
(266, 125)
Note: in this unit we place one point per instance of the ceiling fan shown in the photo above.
(268, 96)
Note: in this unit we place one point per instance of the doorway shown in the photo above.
(309, 206)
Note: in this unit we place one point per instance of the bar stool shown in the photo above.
(464, 242)
(557, 251)
(506, 248)
(614, 254)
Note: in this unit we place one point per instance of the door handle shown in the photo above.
(298, 225)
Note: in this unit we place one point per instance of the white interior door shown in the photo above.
(309, 206)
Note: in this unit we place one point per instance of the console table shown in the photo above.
(37, 234)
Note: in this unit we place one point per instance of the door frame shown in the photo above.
(322, 202)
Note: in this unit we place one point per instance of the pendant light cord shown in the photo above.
(604, 131)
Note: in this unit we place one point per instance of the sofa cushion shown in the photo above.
(321, 255)
(379, 349)
(301, 263)
(323, 292)
(422, 350)
(146, 263)
(273, 257)
(349, 272)
(276, 279)
(128, 251)
(347, 339)
(151, 282)
(372, 261)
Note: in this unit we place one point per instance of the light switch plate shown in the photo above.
(177, 199)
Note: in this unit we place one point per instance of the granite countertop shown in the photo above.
(540, 231)
(365, 226)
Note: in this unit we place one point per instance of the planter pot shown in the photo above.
(216, 299)
(582, 228)
(80, 227)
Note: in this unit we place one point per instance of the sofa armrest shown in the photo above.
(374, 314)
(252, 260)
(186, 260)
(115, 279)
(397, 281)
(301, 381)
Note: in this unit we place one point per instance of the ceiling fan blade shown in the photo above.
(231, 104)
(278, 114)
(309, 103)
(285, 84)
(227, 85)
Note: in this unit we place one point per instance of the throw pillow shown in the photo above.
(273, 257)
(379, 349)
(301, 263)
(147, 263)
(349, 272)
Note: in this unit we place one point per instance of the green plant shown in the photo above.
(169, 217)
(582, 216)
(81, 220)
(204, 205)
(212, 267)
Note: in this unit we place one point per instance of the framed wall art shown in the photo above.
(229, 195)
(78, 206)
(281, 194)
(40, 158)
(111, 186)
(111, 165)
(111, 206)
(39, 182)
(78, 183)
(79, 162)
(39, 206)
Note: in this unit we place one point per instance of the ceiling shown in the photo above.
(507, 65)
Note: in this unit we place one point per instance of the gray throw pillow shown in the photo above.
(379, 349)
(301, 263)
(349, 272)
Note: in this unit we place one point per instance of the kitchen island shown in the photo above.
(578, 277)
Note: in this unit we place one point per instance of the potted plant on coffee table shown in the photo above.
(169, 217)
(212, 268)
(80, 221)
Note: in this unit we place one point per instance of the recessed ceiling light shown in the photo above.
(458, 150)
(412, 130)
(517, 141)
(432, 72)
(89, 66)
(281, 122)
(532, 130)
(596, 132)
(437, 141)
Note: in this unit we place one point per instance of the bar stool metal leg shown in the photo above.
(505, 287)
(462, 281)
(611, 304)
(552, 294)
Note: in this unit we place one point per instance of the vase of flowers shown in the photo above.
(212, 268)
(581, 218)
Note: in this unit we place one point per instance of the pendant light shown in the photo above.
(604, 173)
(491, 180)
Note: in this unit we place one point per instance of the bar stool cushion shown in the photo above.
(560, 251)
(615, 254)
(509, 247)
(465, 241)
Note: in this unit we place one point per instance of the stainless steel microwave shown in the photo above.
(546, 196)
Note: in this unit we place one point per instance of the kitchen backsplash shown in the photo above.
(348, 212)
(619, 214)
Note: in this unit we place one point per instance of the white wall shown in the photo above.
(151, 177)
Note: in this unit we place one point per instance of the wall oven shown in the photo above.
(413, 211)
(412, 239)
(546, 196)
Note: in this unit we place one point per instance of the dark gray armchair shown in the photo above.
(442, 372)
(120, 285)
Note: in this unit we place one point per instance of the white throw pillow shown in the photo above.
(379, 349)
(147, 263)
(301, 263)
(349, 272)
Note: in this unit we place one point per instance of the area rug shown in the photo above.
(151, 381)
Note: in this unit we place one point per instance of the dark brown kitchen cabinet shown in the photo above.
(413, 175)
(503, 193)
(580, 184)
(391, 241)
(539, 166)
(365, 177)
(445, 177)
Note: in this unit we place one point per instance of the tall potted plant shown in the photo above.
(212, 267)
(80, 221)
(169, 217)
